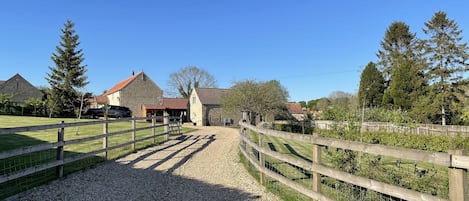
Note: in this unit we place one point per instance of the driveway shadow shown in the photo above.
(115, 181)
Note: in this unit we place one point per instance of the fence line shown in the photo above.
(61, 143)
(420, 129)
(456, 162)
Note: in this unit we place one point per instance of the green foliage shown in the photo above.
(371, 86)
(68, 74)
(406, 85)
(6, 102)
(303, 127)
(387, 115)
(398, 45)
(447, 63)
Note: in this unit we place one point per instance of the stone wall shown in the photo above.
(142, 90)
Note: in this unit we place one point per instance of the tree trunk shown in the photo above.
(443, 118)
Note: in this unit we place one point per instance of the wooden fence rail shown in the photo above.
(456, 162)
(61, 143)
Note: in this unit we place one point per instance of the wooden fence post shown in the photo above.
(134, 133)
(153, 129)
(261, 158)
(316, 176)
(166, 125)
(60, 149)
(105, 138)
(457, 180)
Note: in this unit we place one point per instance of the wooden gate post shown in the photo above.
(60, 149)
(261, 159)
(153, 129)
(457, 180)
(316, 176)
(245, 116)
(105, 138)
(166, 125)
(134, 133)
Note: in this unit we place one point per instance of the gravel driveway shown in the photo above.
(202, 165)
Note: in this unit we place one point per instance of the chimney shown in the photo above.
(133, 73)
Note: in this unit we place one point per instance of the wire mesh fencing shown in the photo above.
(286, 164)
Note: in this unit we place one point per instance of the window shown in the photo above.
(193, 100)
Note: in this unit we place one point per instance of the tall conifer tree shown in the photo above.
(371, 86)
(401, 54)
(447, 58)
(68, 74)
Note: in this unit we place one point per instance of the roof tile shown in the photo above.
(119, 86)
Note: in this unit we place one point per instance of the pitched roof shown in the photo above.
(19, 88)
(171, 103)
(211, 96)
(294, 108)
(119, 86)
(1, 82)
(101, 100)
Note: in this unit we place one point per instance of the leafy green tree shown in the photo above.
(372, 87)
(447, 57)
(188, 78)
(258, 98)
(68, 74)
(6, 102)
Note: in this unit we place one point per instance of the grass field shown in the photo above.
(17, 140)
(421, 177)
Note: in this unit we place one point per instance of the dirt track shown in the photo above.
(202, 165)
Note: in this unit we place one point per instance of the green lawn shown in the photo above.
(17, 140)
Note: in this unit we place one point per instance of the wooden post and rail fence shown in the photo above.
(61, 143)
(456, 161)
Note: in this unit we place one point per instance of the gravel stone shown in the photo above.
(201, 165)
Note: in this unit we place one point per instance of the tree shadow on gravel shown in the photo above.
(195, 141)
(115, 181)
(179, 140)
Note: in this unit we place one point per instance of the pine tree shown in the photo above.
(401, 60)
(68, 74)
(398, 45)
(407, 86)
(446, 61)
(371, 86)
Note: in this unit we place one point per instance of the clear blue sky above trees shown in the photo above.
(312, 47)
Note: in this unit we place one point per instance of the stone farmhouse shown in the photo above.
(134, 92)
(19, 89)
(205, 108)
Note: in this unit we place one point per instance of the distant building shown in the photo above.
(296, 111)
(205, 108)
(134, 92)
(175, 107)
(19, 89)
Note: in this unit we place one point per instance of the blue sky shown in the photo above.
(312, 47)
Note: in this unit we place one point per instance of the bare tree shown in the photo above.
(183, 81)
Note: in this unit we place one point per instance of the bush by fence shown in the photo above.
(420, 129)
